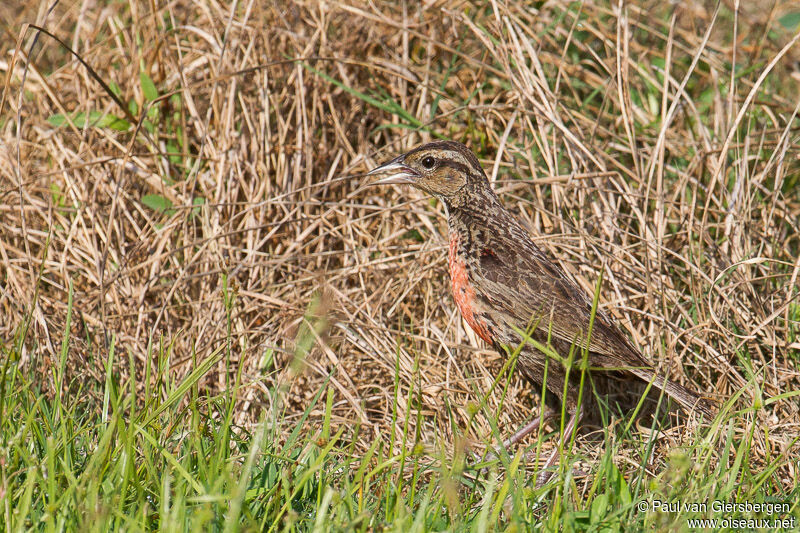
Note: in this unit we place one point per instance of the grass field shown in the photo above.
(209, 323)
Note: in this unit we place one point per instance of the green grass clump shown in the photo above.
(156, 453)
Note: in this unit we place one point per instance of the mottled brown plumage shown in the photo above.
(503, 283)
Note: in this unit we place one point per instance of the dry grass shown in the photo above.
(616, 139)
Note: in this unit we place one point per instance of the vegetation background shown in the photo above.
(209, 323)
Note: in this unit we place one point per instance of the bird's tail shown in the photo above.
(689, 400)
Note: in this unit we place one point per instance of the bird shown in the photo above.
(516, 298)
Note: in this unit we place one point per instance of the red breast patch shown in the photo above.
(463, 292)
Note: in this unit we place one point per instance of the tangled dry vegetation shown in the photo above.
(236, 159)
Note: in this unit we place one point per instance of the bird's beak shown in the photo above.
(394, 172)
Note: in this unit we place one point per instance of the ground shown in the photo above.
(209, 320)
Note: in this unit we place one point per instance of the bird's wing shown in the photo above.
(522, 287)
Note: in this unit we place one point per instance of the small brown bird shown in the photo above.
(504, 285)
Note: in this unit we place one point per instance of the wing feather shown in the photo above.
(524, 287)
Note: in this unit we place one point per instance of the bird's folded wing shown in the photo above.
(525, 289)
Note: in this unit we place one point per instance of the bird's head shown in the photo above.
(443, 169)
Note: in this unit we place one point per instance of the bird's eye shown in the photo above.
(428, 162)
